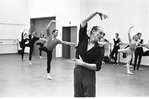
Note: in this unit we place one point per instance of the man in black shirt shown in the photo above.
(88, 58)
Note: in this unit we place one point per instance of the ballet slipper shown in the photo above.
(129, 73)
(49, 77)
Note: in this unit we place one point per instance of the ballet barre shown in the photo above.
(8, 46)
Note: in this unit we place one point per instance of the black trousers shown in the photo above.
(22, 52)
(138, 56)
(84, 82)
(41, 45)
(49, 58)
(114, 51)
(31, 52)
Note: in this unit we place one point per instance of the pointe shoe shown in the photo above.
(49, 77)
(129, 73)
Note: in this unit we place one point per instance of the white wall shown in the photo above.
(122, 14)
(13, 18)
(64, 10)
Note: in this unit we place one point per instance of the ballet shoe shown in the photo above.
(129, 73)
(49, 77)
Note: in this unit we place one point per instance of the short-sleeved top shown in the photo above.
(50, 44)
(94, 55)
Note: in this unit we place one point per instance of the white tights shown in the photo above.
(129, 56)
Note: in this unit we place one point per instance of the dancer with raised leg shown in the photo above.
(50, 44)
(131, 49)
(23, 41)
(32, 40)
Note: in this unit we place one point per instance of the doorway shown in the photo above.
(40, 24)
(69, 34)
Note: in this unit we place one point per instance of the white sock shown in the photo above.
(49, 77)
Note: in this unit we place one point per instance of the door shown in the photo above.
(66, 37)
(40, 24)
(69, 34)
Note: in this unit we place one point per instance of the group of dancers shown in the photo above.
(46, 44)
(89, 52)
(134, 47)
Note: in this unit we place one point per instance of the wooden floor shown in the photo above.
(19, 79)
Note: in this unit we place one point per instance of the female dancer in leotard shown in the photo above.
(24, 39)
(130, 50)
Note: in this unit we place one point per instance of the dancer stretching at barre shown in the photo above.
(50, 44)
(131, 49)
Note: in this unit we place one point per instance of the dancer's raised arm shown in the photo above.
(129, 37)
(84, 22)
(47, 28)
(30, 29)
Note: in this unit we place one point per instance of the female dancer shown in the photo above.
(32, 40)
(50, 44)
(24, 39)
(138, 53)
(117, 42)
(130, 50)
(41, 43)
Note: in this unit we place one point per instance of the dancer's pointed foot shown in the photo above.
(129, 73)
(49, 77)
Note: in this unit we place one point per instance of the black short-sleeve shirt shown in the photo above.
(94, 55)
